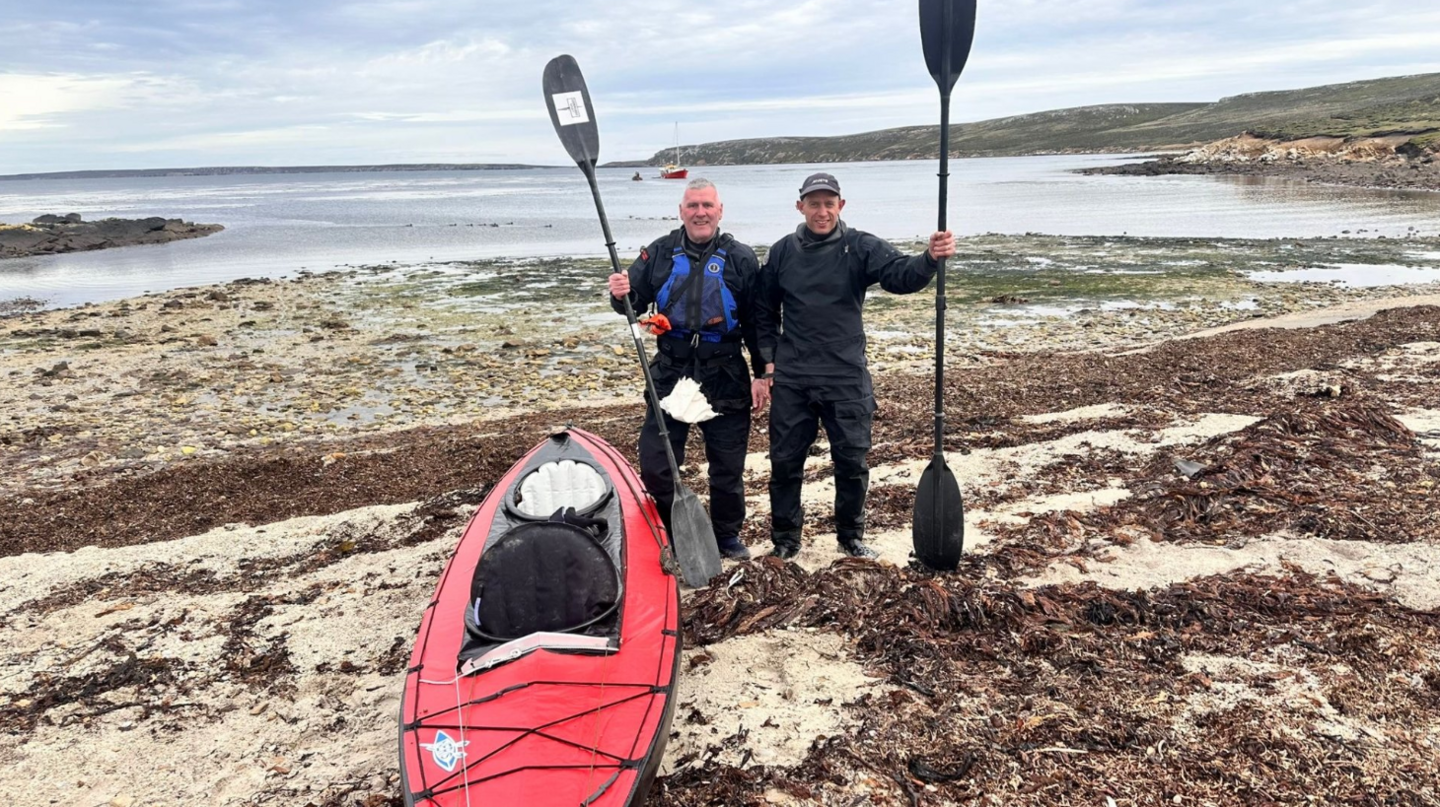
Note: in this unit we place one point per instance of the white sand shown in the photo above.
(1408, 571)
(1291, 692)
(782, 688)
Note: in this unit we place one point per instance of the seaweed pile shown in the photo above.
(1247, 690)
(1339, 471)
(1343, 472)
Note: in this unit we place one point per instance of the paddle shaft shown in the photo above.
(940, 276)
(634, 331)
(944, 82)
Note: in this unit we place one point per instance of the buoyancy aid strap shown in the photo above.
(675, 283)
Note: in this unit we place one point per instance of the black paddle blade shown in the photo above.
(570, 110)
(693, 538)
(934, 33)
(939, 526)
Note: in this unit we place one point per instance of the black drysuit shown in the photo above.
(720, 369)
(809, 324)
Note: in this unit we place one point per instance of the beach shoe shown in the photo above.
(732, 548)
(858, 549)
(785, 551)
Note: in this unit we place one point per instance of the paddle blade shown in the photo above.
(693, 537)
(939, 526)
(934, 34)
(570, 110)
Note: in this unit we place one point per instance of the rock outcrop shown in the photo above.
(51, 234)
(1391, 161)
(1248, 148)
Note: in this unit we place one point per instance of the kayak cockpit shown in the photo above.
(549, 576)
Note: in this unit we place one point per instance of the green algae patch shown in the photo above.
(390, 347)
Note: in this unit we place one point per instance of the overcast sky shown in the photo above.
(110, 84)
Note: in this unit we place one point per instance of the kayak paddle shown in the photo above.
(947, 28)
(691, 534)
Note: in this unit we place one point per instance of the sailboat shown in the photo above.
(674, 170)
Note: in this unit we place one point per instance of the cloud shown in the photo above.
(261, 81)
(442, 53)
(42, 101)
(224, 142)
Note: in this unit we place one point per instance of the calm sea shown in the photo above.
(279, 224)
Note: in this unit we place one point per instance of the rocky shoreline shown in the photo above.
(51, 234)
(1368, 163)
(223, 510)
(135, 385)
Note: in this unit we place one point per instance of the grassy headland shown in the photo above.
(1408, 105)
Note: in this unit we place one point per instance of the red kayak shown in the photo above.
(544, 671)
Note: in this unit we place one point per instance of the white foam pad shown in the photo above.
(557, 485)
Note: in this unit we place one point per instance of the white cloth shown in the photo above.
(687, 404)
(556, 485)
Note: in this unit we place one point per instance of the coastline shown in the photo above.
(226, 614)
(1373, 162)
(1396, 175)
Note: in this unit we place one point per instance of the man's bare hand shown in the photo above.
(759, 393)
(619, 284)
(942, 245)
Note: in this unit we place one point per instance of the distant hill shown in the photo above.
(1408, 105)
(265, 169)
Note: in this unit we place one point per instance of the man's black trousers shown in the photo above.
(726, 439)
(795, 413)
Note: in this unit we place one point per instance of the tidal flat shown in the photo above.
(1201, 564)
(138, 383)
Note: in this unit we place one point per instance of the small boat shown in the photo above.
(544, 669)
(674, 170)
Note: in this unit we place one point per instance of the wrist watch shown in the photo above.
(764, 375)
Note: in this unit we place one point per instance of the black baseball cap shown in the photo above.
(820, 182)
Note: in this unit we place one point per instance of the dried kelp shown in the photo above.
(1345, 471)
(1071, 694)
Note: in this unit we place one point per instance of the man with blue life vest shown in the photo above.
(704, 284)
(812, 338)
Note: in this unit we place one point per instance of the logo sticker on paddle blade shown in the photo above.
(445, 751)
(570, 108)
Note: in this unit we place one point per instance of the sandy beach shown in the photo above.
(222, 510)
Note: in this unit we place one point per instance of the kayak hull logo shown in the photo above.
(446, 751)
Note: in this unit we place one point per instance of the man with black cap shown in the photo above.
(703, 284)
(812, 337)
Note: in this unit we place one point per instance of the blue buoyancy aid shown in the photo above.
(700, 305)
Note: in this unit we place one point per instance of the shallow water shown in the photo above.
(1354, 275)
(280, 224)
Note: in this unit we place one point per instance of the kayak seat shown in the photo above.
(558, 485)
(543, 576)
